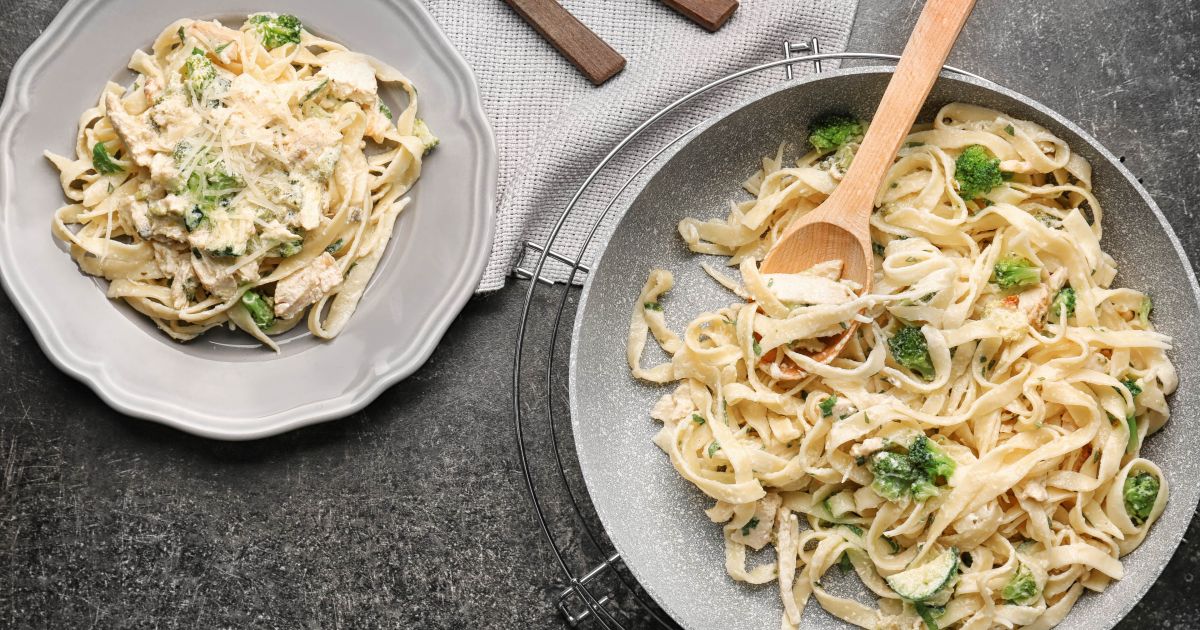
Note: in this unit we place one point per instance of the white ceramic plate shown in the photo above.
(223, 385)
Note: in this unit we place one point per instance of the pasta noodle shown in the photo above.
(973, 453)
(246, 178)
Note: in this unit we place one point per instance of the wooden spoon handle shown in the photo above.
(926, 51)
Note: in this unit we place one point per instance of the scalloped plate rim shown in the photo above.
(357, 395)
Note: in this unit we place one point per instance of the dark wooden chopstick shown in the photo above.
(711, 14)
(583, 48)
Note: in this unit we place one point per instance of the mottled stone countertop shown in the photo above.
(413, 512)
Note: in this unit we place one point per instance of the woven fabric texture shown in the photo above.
(552, 126)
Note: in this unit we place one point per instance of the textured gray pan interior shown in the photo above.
(654, 517)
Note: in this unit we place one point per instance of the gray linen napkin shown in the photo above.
(552, 126)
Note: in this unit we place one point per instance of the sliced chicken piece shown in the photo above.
(756, 533)
(675, 406)
(175, 118)
(1034, 302)
(140, 141)
(139, 212)
(215, 278)
(806, 288)
(253, 105)
(151, 220)
(830, 269)
(309, 135)
(146, 146)
(173, 261)
(312, 201)
(351, 76)
(868, 447)
(305, 286)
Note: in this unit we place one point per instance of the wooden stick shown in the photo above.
(583, 48)
(711, 14)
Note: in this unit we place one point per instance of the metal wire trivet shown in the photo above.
(598, 590)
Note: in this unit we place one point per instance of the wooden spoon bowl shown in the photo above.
(840, 228)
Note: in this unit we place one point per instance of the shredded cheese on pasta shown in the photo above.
(246, 177)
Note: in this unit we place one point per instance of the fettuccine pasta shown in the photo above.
(973, 454)
(247, 178)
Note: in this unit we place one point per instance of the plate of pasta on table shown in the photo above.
(240, 223)
(1002, 442)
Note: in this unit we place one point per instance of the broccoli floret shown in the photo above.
(1022, 588)
(832, 131)
(894, 474)
(103, 162)
(290, 248)
(1065, 299)
(182, 152)
(1144, 310)
(422, 132)
(826, 406)
(1015, 272)
(222, 181)
(915, 473)
(260, 309)
(1141, 490)
(929, 459)
(212, 185)
(1132, 385)
(910, 349)
(976, 172)
(276, 30)
(198, 74)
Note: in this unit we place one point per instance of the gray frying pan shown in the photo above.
(654, 517)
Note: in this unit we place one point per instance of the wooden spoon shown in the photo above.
(839, 228)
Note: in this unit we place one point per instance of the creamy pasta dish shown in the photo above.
(973, 454)
(248, 177)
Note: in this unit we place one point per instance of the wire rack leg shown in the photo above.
(575, 591)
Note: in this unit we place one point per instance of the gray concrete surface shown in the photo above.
(413, 513)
